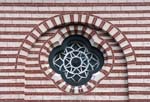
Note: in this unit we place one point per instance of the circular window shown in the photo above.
(76, 60)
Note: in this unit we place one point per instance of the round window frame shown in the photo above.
(95, 41)
(84, 41)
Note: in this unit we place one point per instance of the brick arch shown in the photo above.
(75, 18)
(60, 35)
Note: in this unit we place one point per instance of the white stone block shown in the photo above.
(27, 45)
(83, 18)
(48, 71)
(84, 88)
(4, 60)
(76, 17)
(62, 84)
(130, 58)
(113, 82)
(63, 30)
(83, 8)
(88, 31)
(76, 90)
(70, 8)
(67, 18)
(119, 37)
(106, 68)
(56, 8)
(109, 61)
(68, 88)
(98, 22)
(106, 26)
(36, 33)
(96, 39)
(47, 45)
(42, 28)
(32, 62)
(80, 28)
(139, 96)
(90, 84)
(57, 20)
(113, 31)
(50, 24)
(105, 46)
(31, 39)
(71, 28)
(129, 50)
(90, 19)
(97, 76)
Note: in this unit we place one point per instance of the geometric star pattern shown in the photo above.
(76, 63)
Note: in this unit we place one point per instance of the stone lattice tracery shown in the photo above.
(76, 63)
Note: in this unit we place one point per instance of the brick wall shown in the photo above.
(28, 32)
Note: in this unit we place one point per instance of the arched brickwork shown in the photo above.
(57, 39)
(65, 21)
(75, 18)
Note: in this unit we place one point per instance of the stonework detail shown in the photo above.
(76, 60)
(30, 31)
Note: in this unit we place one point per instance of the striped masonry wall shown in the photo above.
(30, 29)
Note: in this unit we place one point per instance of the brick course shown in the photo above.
(26, 33)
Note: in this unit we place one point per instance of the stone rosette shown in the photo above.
(76, 60)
